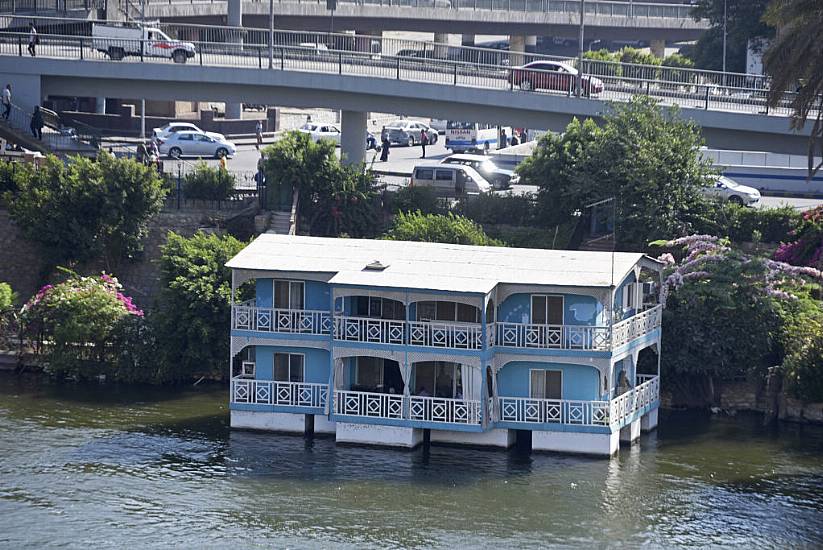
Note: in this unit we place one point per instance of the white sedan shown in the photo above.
(321, 131)
(164, 132)
(196, 144)
(728, 189)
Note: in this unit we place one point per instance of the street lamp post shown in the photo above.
(578, 89)
(725, 22)
(271, 34)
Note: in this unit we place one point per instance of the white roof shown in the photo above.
(432, 266)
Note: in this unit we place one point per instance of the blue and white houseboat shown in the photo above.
(386, 342)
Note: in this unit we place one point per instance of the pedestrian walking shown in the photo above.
(142, 154)
(504, 140)
(424, 140)
(259, 131)
(7, 101)
(224, 164)
(33, 39)
(515, 139)
(37, 123)
(384, 151)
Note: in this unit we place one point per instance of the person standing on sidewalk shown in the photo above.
(33, 39)
(37, 123)
(424, 140)
(259, 131)
(7, 101)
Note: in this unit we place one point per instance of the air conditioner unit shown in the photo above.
(247, 368)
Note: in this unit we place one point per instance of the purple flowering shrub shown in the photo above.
(72, 323)
(807, 248)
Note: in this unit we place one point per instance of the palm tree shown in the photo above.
(795, 62)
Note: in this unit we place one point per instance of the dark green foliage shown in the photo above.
(7, 297)
(208, 183)
(741, 224)
(193, 313)
(507, 209)
(646, 158)
(86, 209)
(422, 198)
(632, 57)
(744, 22)
(612, 66)
(435, 228)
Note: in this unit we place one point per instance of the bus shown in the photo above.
(462, 137)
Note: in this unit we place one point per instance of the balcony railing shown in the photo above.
(445, 335)
(525, 335)
(636, 326)
(285, 394)
(363, 329)
(290, 321)
(415, 407)
(415, 333)
(614, 413)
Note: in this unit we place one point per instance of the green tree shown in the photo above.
(647, 158)
(639, 64)
(436, 228)
(193, 313)
(86, 209)
(795, 62)
(610, 62)
(743, 23)
(208, 183)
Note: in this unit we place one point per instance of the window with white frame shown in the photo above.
(545, 384)
(288, 367)
(288, 294)
(547, 309)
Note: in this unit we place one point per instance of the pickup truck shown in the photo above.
(118, 42)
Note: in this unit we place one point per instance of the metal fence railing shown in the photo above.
(49, 6)
(427, 62)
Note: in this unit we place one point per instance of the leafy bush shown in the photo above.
(74, 321)
(84, 209)
(499, 209)
(419, 198)
(531, 237)
(435, 228)
(677, 61)
(639, 64)
(806, 241)
(193, 313)
(610, 65)
(804, 367)
(6, 297)
(208, 183)
(741, 224)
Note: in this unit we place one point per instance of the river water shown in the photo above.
(93, 466)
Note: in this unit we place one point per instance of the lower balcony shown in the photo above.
(416, 410)
(280, 395)
(614, 414)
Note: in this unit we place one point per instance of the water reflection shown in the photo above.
(161, 468)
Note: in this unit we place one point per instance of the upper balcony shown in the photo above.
(286, 321)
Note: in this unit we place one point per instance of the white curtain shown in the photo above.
(405, 372)
(340, 378)
(471, 381)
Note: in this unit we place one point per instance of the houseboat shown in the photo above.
(390, 343)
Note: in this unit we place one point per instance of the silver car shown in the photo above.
(728, 189)
(408, 132)
(196, 144)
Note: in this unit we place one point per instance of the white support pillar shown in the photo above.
(531, 44)
(353, 137)
(517, 47)
(441, 45)
(631, 432)
(100, 105)
(658, 48)
(234, 18)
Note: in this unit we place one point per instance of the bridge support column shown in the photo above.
(467, 40)
(441, 45)
(26, 89)
(234, 18)
(365, 39)
(658, 48)
(100, 105)
(517, 47)
(531, 44)
(353, 137)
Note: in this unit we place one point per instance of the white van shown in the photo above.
(450, 179)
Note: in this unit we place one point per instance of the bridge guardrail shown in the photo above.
(697, 91)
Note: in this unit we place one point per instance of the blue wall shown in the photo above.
(618, 296)
(578, 309)
(316, 294)
(579, 381)
(315, 363)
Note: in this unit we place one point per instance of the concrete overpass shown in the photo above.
(606, 20)
(357, 83)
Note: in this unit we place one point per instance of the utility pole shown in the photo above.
(142, 48)
(271, 34)
(578, 88)
(725, 23)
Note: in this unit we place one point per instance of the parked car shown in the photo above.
(726, 188)
(164, 132)
(450, 179)
(120, 41)
(331, 132)
(196, 144)
(408, 132)
(500, 178)
(551, 75)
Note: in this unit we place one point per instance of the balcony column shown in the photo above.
(658, 48)
(234, 18)
(353, 137)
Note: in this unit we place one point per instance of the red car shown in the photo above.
(551, 75)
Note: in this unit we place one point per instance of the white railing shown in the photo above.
(438, 409)
(284, 394)
(358, 403)
(363, 329)
(445, 335)
(554, 411)
(263, 319)
(615, 413)
(636, 326)
(526, 335)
